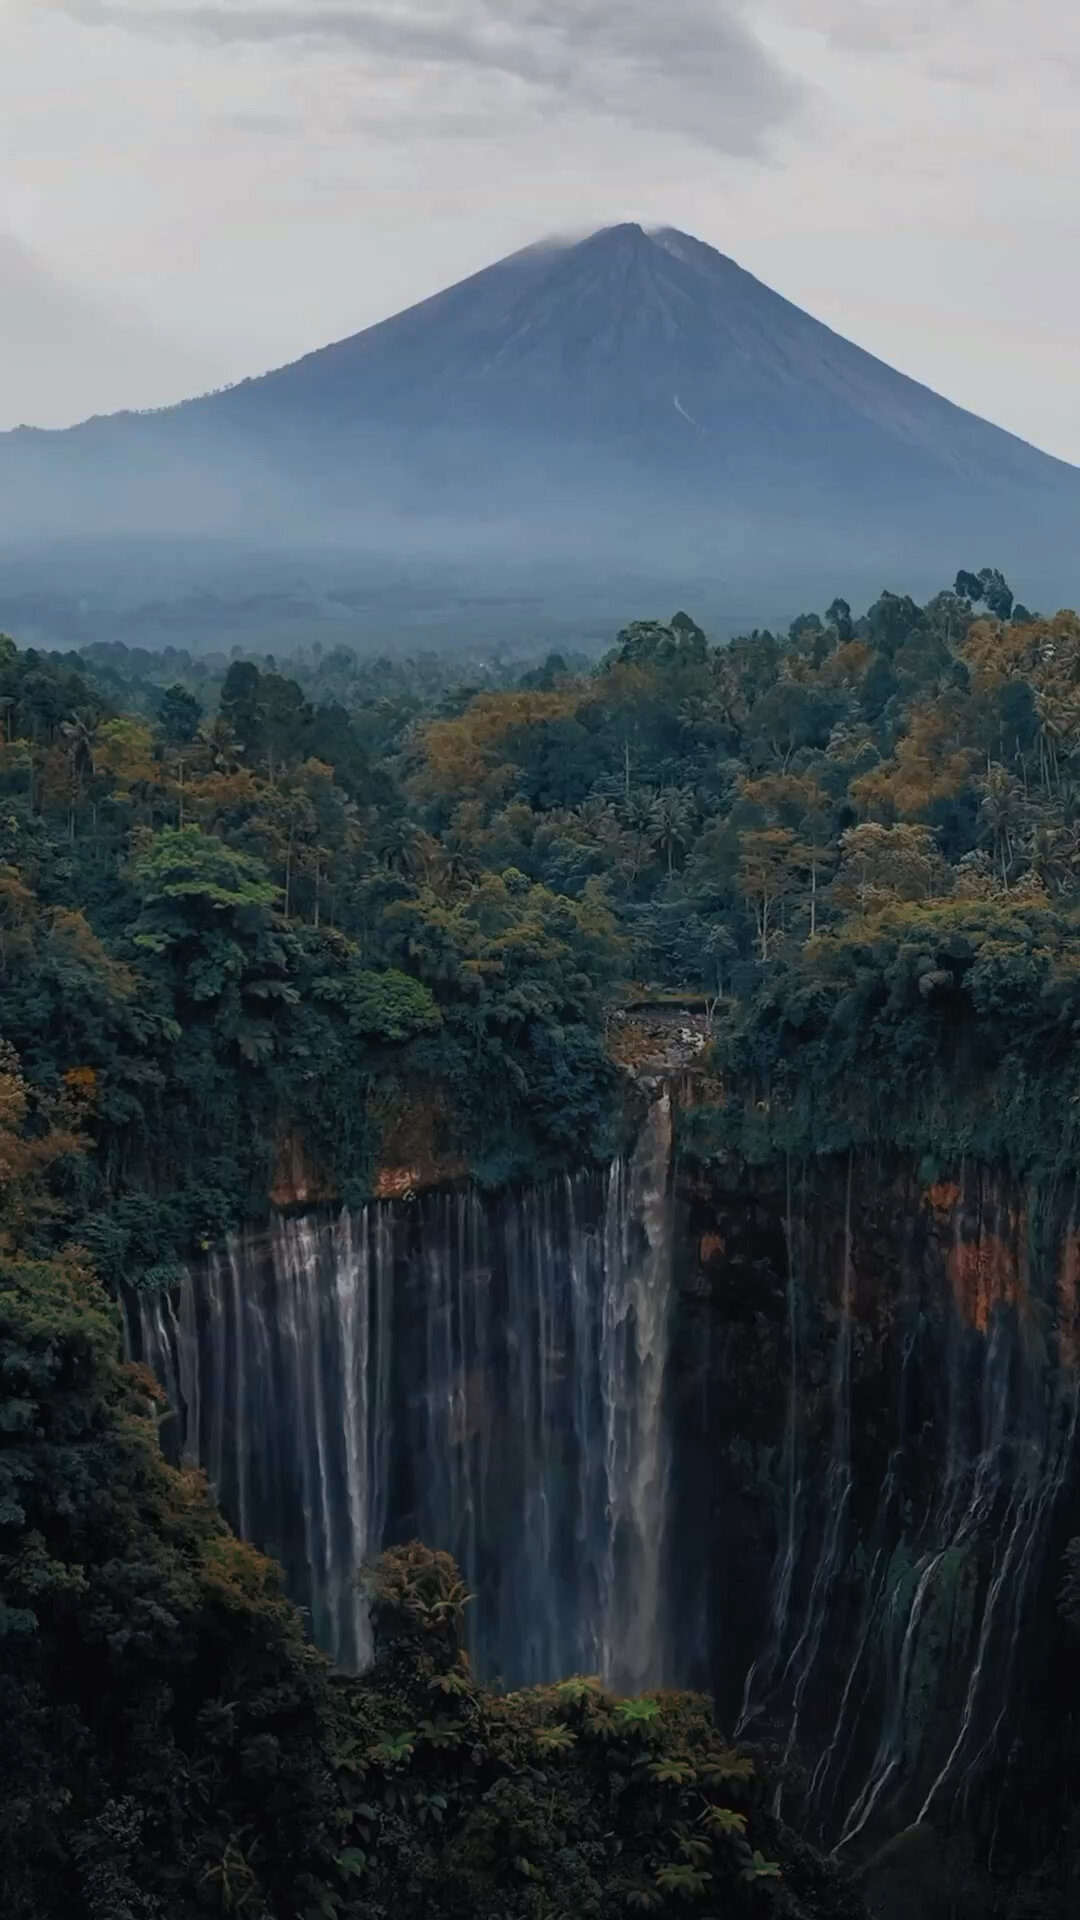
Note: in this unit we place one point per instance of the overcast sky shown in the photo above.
(192, 192)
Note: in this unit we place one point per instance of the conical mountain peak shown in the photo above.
(626, 236)
(629, 393)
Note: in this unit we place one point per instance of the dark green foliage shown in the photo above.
(179, 715)
(239, 703)
(943, 1029)
(989, 587)
(156, 1693)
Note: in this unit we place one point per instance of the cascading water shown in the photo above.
(634, 1350)
(486, 1376)
(900, 1590)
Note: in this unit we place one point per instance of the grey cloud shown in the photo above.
(693, 66)
(961, 42)
(266, 125)
(923, 27)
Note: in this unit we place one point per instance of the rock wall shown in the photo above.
(875, 1398)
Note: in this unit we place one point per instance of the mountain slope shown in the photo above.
(623, 329)
(631, 399)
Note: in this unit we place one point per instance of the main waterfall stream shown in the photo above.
(486, 1376)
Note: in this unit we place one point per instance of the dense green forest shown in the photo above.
(240, 901)
(249, 908)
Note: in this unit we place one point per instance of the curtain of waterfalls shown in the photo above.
(498, 1376)
(486, 1376)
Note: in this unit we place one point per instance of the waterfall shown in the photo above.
(486, 1375)
(275, 1365)
(889, 1426)
(634, 1347)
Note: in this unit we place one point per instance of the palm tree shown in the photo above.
(224, 749)
(407, 850)
(1050, 713)
(81, 734)
(1057, 709)
(671, 818)
(595, 818)
(1003, 816)
(1054, 855)
(457, 867)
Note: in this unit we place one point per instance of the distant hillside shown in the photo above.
(630, 402)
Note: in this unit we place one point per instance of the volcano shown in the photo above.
(632, 405)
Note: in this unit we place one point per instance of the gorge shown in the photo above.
(801, 1438)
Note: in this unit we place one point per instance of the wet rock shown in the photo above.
(919, 1876)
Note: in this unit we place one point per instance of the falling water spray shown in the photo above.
(489, 1376)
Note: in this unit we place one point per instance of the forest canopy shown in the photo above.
(247, 901)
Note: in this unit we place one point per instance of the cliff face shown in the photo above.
(875, 1391)
(805, 1437)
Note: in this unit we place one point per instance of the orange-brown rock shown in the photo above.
(417, 1149)
(400, 1183)
(944, 1196)
(986, 1273)
(1068, 1320)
